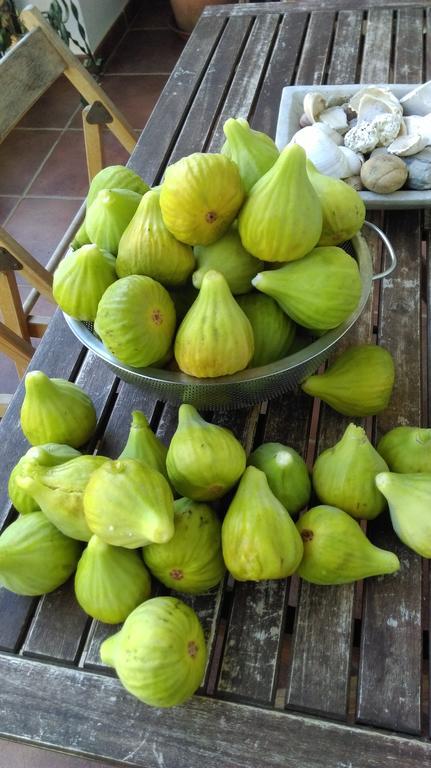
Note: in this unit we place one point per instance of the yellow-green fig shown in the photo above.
(215, 338)
(48, 455)
(200, 197)
(406, 449)
(343, 209)
(81, 279)
(143, 444)
(159, 654)
(148, 248)
(192, 561)
(336, 550)
(253, 151)
(35, 557)
(81, 237)
(286, 472)
(259, 537)
(229, 257)
(110, 582)
(409, 499)
(281, 220)
(115, 177)
(273, 330)
(319, 291)
(204, 460)
(59, 490)
(56, 411)
(128, 504)
(358, 383)
(108, 216)
(136, 320)
(344, 475)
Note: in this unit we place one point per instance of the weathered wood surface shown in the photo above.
(256, 9)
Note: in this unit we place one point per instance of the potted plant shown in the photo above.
(187, 12)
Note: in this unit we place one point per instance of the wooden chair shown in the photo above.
(27, 70)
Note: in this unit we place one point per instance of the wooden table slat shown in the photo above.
(376, 68)
(346, 49)
(408, 49)
(257, 9)
(316, 49)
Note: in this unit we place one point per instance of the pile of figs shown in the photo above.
(233, 262)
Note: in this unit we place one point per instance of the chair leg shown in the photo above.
(35, 273)
(15, 347)
(11, 305)
(93, 145)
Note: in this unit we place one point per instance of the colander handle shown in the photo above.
(387, 243)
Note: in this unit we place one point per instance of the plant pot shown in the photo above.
(187, 12)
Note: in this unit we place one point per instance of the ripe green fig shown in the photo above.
(148, 248)
(81, 279)
(286, 472)
(215, 338)
(143, 444)
(200, 197)
(336, 550)
(110, 582)
(319, 291)
(35, 557)
(343, 209)
(229, 257)
(159, 654)
(136, 320)
(108, 216)
(281, 219)
(115, 177)
(81, 238)
(56, 411)
(59, 490)
(204, 460)
(259, 537)
(192, 561)
(273, 330)
(253, 151)
(406, 449)
(358, 383)
(344, 475)
(409, 499)
(128, 504)
(48, 455)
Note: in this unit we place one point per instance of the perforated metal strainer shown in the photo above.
(253, 385)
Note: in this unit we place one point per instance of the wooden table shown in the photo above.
(298, 675)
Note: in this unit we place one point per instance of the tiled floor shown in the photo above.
(43, 177)
(43, 180)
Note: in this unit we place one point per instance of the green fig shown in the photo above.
(128, 504)
(48, 455)
(358, 383)
(81, 279)
(204, 460)
(286, 472)
(344, 475)
(159, 654)
(273, 330)
(143, 444)
(59, 492)
(148, 248)
(343, 209)
(406, 449)
(136, 320)
(81, 238)
(336, 550)
(281, 220)
(259, 537)
(200, 197)
(215, 338)
(35, 557)
(56, 411)
(110, 582)
(409, 499)
(115, 177)
(229, 257)
(108, 216)
(253, 151)
(192, 561)
(319, 291)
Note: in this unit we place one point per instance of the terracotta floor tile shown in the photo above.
(6, 205)
(65, 171)
(21, 154)
(14, 755)
(54, 108)
(146, 52)
(40, 223)
(158, 13)
(134, 95)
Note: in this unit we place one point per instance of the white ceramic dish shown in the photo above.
(288, 123)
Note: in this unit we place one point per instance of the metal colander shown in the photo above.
(252, 385)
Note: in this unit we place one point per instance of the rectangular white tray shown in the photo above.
(288, 123)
